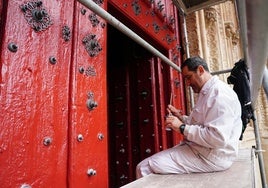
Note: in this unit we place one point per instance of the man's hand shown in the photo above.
(175, 112)
(173, 123)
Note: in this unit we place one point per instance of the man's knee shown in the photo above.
(143, 169)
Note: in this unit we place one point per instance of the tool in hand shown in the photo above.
(170, 114)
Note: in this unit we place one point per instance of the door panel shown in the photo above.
(53, 70)
(88, 154)
(34, 94)
(140, 86)
(139, 91)
(155, 18)
(131, 108)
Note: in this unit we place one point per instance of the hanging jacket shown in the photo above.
(240, 79)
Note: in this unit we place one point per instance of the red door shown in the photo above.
(140, 86)
(52, 95)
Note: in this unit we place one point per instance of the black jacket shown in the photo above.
(240, 79)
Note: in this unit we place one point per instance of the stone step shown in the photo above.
(240, 175)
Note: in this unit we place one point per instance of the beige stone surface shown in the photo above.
(241, 174)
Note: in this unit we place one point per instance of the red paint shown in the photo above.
(149, 19)
(92, 152)
(41, 101)
(34, 101)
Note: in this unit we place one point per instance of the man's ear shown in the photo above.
(201, 69)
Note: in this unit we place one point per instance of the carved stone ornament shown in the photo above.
(210, 15)
(36, 15)
(231, 33)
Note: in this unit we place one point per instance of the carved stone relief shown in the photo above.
(210, 15)
(231, 33)
(192, 34)
(212, 30)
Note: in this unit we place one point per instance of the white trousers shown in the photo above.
(180, 159)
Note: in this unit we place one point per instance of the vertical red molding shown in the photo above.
(88, 138)
(155, 93)
(176, 80)
(162, 95)
(2, 28)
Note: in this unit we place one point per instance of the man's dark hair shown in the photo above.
(193, 62)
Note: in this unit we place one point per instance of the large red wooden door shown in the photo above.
(140, 86)
(52, 95)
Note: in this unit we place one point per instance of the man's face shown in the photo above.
(193, 78)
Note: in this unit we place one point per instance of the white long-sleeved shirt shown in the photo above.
(214, 126)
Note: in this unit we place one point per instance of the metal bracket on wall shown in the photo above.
(156, 27)
(12, 47)
(136, 7)
(36, 15)
(98, 2)
(93, 19)
(66, 33)
(92, 45)
(91, 103)
(160, 6)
